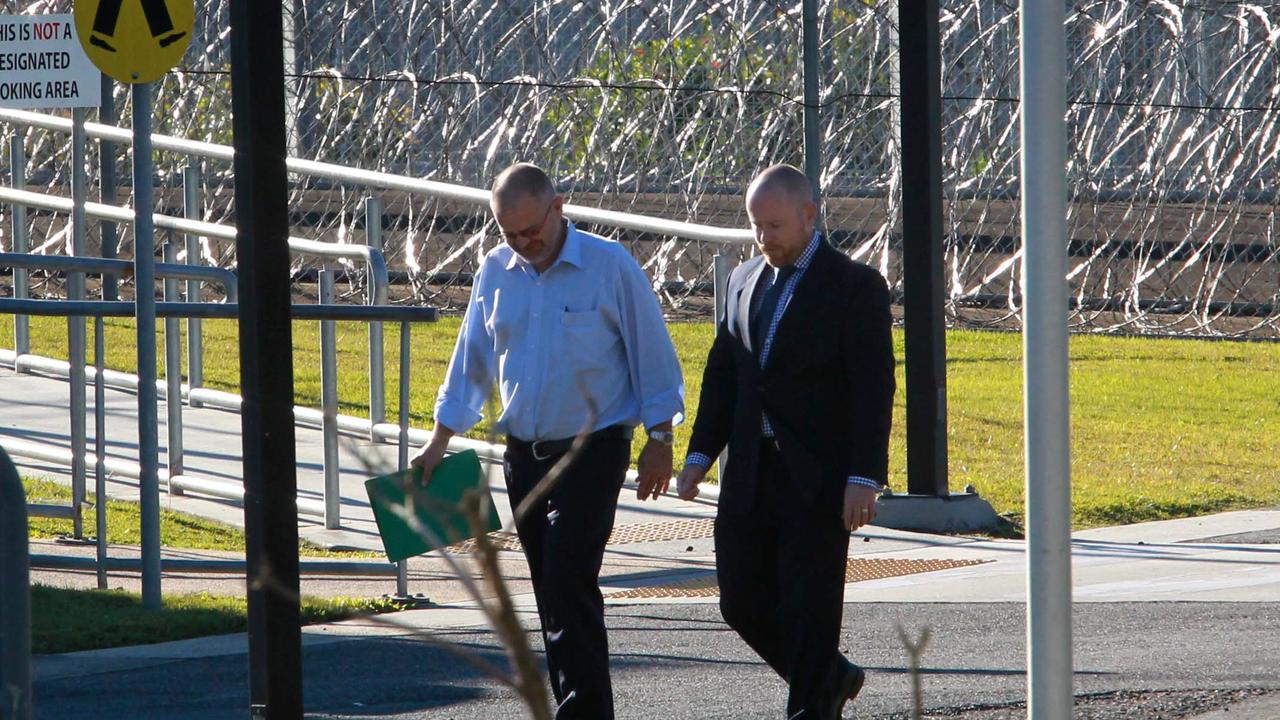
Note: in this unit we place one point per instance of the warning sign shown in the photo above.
(135, 41)
(43, 66)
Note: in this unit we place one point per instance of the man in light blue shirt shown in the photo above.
(568, 326)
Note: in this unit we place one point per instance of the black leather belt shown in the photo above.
(547, 449)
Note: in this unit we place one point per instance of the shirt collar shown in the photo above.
(810, 250)
(570, 253)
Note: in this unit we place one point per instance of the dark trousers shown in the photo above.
(564, 541)
(781, 571)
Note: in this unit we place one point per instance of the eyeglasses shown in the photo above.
(533, 231)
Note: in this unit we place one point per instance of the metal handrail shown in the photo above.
(122, 268)
(15, 596)
(123, 308)
(389, 181)
(373, 259)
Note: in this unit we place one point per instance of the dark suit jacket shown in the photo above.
(827, 386)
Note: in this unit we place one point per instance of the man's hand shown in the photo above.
(654, 468)
(859, 506)
(429, 456)
(687, 483)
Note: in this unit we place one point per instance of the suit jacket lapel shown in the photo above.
(807, 294)
(744, 306)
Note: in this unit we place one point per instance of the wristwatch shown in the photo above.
(666, 437)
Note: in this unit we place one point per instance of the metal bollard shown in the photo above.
(15, 596)
(329, 405)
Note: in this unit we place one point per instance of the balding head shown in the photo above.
(784, 179)
(528, 212)
(780, 205)
(521, 181)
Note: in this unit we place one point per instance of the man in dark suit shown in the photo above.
(799, 384)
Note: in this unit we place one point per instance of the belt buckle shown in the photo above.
(533, 448)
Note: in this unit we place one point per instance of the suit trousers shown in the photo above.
(564, 538)
(781, 571)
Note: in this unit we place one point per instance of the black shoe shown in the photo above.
(171, 39)
(99, 42)
(850, 686)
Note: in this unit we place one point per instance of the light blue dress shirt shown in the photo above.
(587, 331)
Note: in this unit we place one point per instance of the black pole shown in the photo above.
(107, 171)
(266, 363)
(926, 355)
(812, 120)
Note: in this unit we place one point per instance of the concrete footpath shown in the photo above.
(1174, 619)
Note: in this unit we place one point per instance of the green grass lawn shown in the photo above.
(177, 529)
(65, 620)
(1160, 428)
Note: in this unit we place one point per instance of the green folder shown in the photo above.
(398, 497)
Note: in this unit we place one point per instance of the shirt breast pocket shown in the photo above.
(586, 334)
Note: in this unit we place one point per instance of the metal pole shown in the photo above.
(145, 283)
(173, 372)
(1044, 335)
(812, 129)
(377, 364)
(193, 209)
(100, 450)
(107, 194)
(402, 567)
(266, 359)
(18, 176)
(15, 596)
(720, 283)
(76, 340)
(922, 253)
(329, 405)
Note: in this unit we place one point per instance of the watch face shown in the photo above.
(664, 437)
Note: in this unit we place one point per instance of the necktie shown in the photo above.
(769, 305)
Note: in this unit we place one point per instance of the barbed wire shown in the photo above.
(668, 108)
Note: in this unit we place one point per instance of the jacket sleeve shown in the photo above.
(718, 397)
(869, 364)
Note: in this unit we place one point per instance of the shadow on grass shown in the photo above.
(68, 620)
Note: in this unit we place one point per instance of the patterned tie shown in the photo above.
(764, 314)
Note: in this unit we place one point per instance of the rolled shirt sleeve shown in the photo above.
(651, 357)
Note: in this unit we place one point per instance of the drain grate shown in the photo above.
(856, 570)
(622, 534)
(660, 531)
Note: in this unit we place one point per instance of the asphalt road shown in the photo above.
(1133, 660)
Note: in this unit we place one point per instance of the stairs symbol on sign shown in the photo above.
(158, 20)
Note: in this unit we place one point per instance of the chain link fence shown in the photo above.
(668, 108)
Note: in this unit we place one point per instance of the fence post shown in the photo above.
(18, 176)
(107, 194)
(173, 372)
(100, 449)
(377, 369)
(15, 595)
(192, 209)
(812, 129)
(76, 340)
(329, 405)
(402, 567)
(720, 283)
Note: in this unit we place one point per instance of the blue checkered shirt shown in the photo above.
(802, 264)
